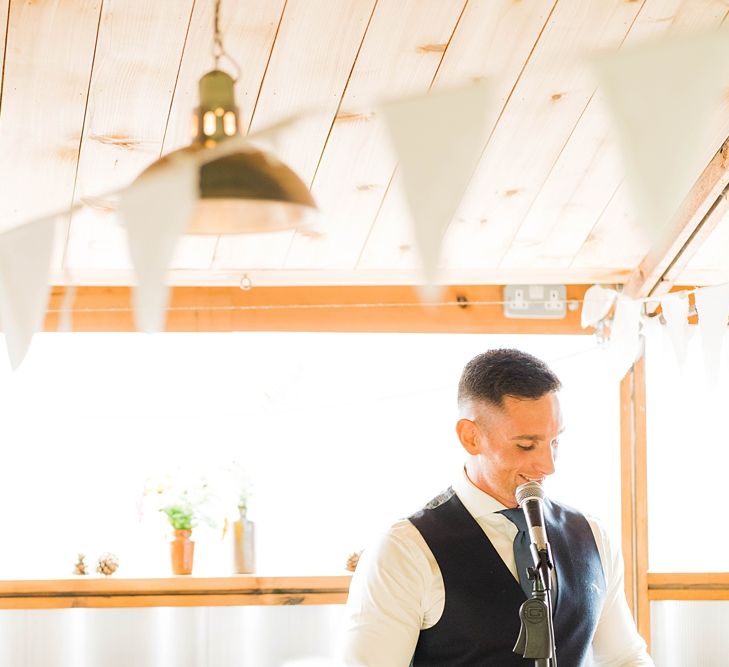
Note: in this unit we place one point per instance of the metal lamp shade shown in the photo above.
(247, 192)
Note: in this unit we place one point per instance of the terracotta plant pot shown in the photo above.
(182, 549)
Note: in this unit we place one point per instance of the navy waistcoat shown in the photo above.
(480, 621)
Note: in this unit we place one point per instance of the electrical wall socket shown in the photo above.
(541, 302)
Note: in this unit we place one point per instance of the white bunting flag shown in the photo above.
(675, 308)
(25, 260)
(712, 306)
(438, 139)
(596, 305)
(624, 336)
(156, 209)
(662, 95)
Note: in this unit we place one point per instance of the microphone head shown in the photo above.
(528, 491)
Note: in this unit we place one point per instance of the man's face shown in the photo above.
(511, 445)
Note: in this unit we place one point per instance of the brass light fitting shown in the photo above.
(248, 191)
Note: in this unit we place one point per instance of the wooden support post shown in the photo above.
(634, 515)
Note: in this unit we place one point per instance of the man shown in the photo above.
(443, 589)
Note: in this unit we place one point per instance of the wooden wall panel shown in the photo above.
(248, 29)
(617, 221)
(137, 59)
(548, 100)
(84, 115)
(48, 58)
(586, 173)
(402, 52)
(315, 49)
(493, 40)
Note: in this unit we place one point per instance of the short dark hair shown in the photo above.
(494, 374)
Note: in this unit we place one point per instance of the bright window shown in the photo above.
(688, 458)
(342, 433)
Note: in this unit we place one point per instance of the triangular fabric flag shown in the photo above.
(662, 95)
(652, 330)
(156, 210)
(25, 261)
(624, 336)
(596, 304)
(712, 305)
(675, 308)
(438, 139)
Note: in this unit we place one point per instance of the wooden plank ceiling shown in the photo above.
(95, 90)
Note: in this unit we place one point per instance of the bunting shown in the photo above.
(438, 139)
(25, 260)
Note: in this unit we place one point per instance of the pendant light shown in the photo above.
(248, 191)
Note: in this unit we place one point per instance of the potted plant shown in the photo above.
(182, 518)
(185, 501)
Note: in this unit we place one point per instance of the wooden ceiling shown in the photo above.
(93, 91)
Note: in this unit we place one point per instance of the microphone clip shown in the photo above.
(543, 565)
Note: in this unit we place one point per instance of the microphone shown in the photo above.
(536, 636)
(530, 496)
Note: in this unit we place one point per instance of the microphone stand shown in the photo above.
(536, 636)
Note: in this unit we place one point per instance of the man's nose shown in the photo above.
(546, 459)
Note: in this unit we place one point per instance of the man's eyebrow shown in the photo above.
(534, 437)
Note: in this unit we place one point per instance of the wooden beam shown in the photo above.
(688, 586)
(231, 277)
(465, 309)
(173, 592)
(627, 489)
(634, 500)
(700, 212)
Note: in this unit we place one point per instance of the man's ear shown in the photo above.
(468, 435)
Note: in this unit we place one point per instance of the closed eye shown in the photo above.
(526, 448)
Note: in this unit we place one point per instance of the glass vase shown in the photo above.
(244, 554)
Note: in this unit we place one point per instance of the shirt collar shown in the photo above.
(477, 502)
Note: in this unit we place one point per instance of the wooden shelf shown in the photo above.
(180, 591)
(688, 586)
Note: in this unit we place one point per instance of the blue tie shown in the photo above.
(522, 554)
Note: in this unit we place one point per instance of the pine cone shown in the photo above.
(80, 567)
(353, 560)
(107, 564)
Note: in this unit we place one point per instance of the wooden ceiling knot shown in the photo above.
(432, 48)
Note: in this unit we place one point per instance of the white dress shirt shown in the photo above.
(397, 591)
